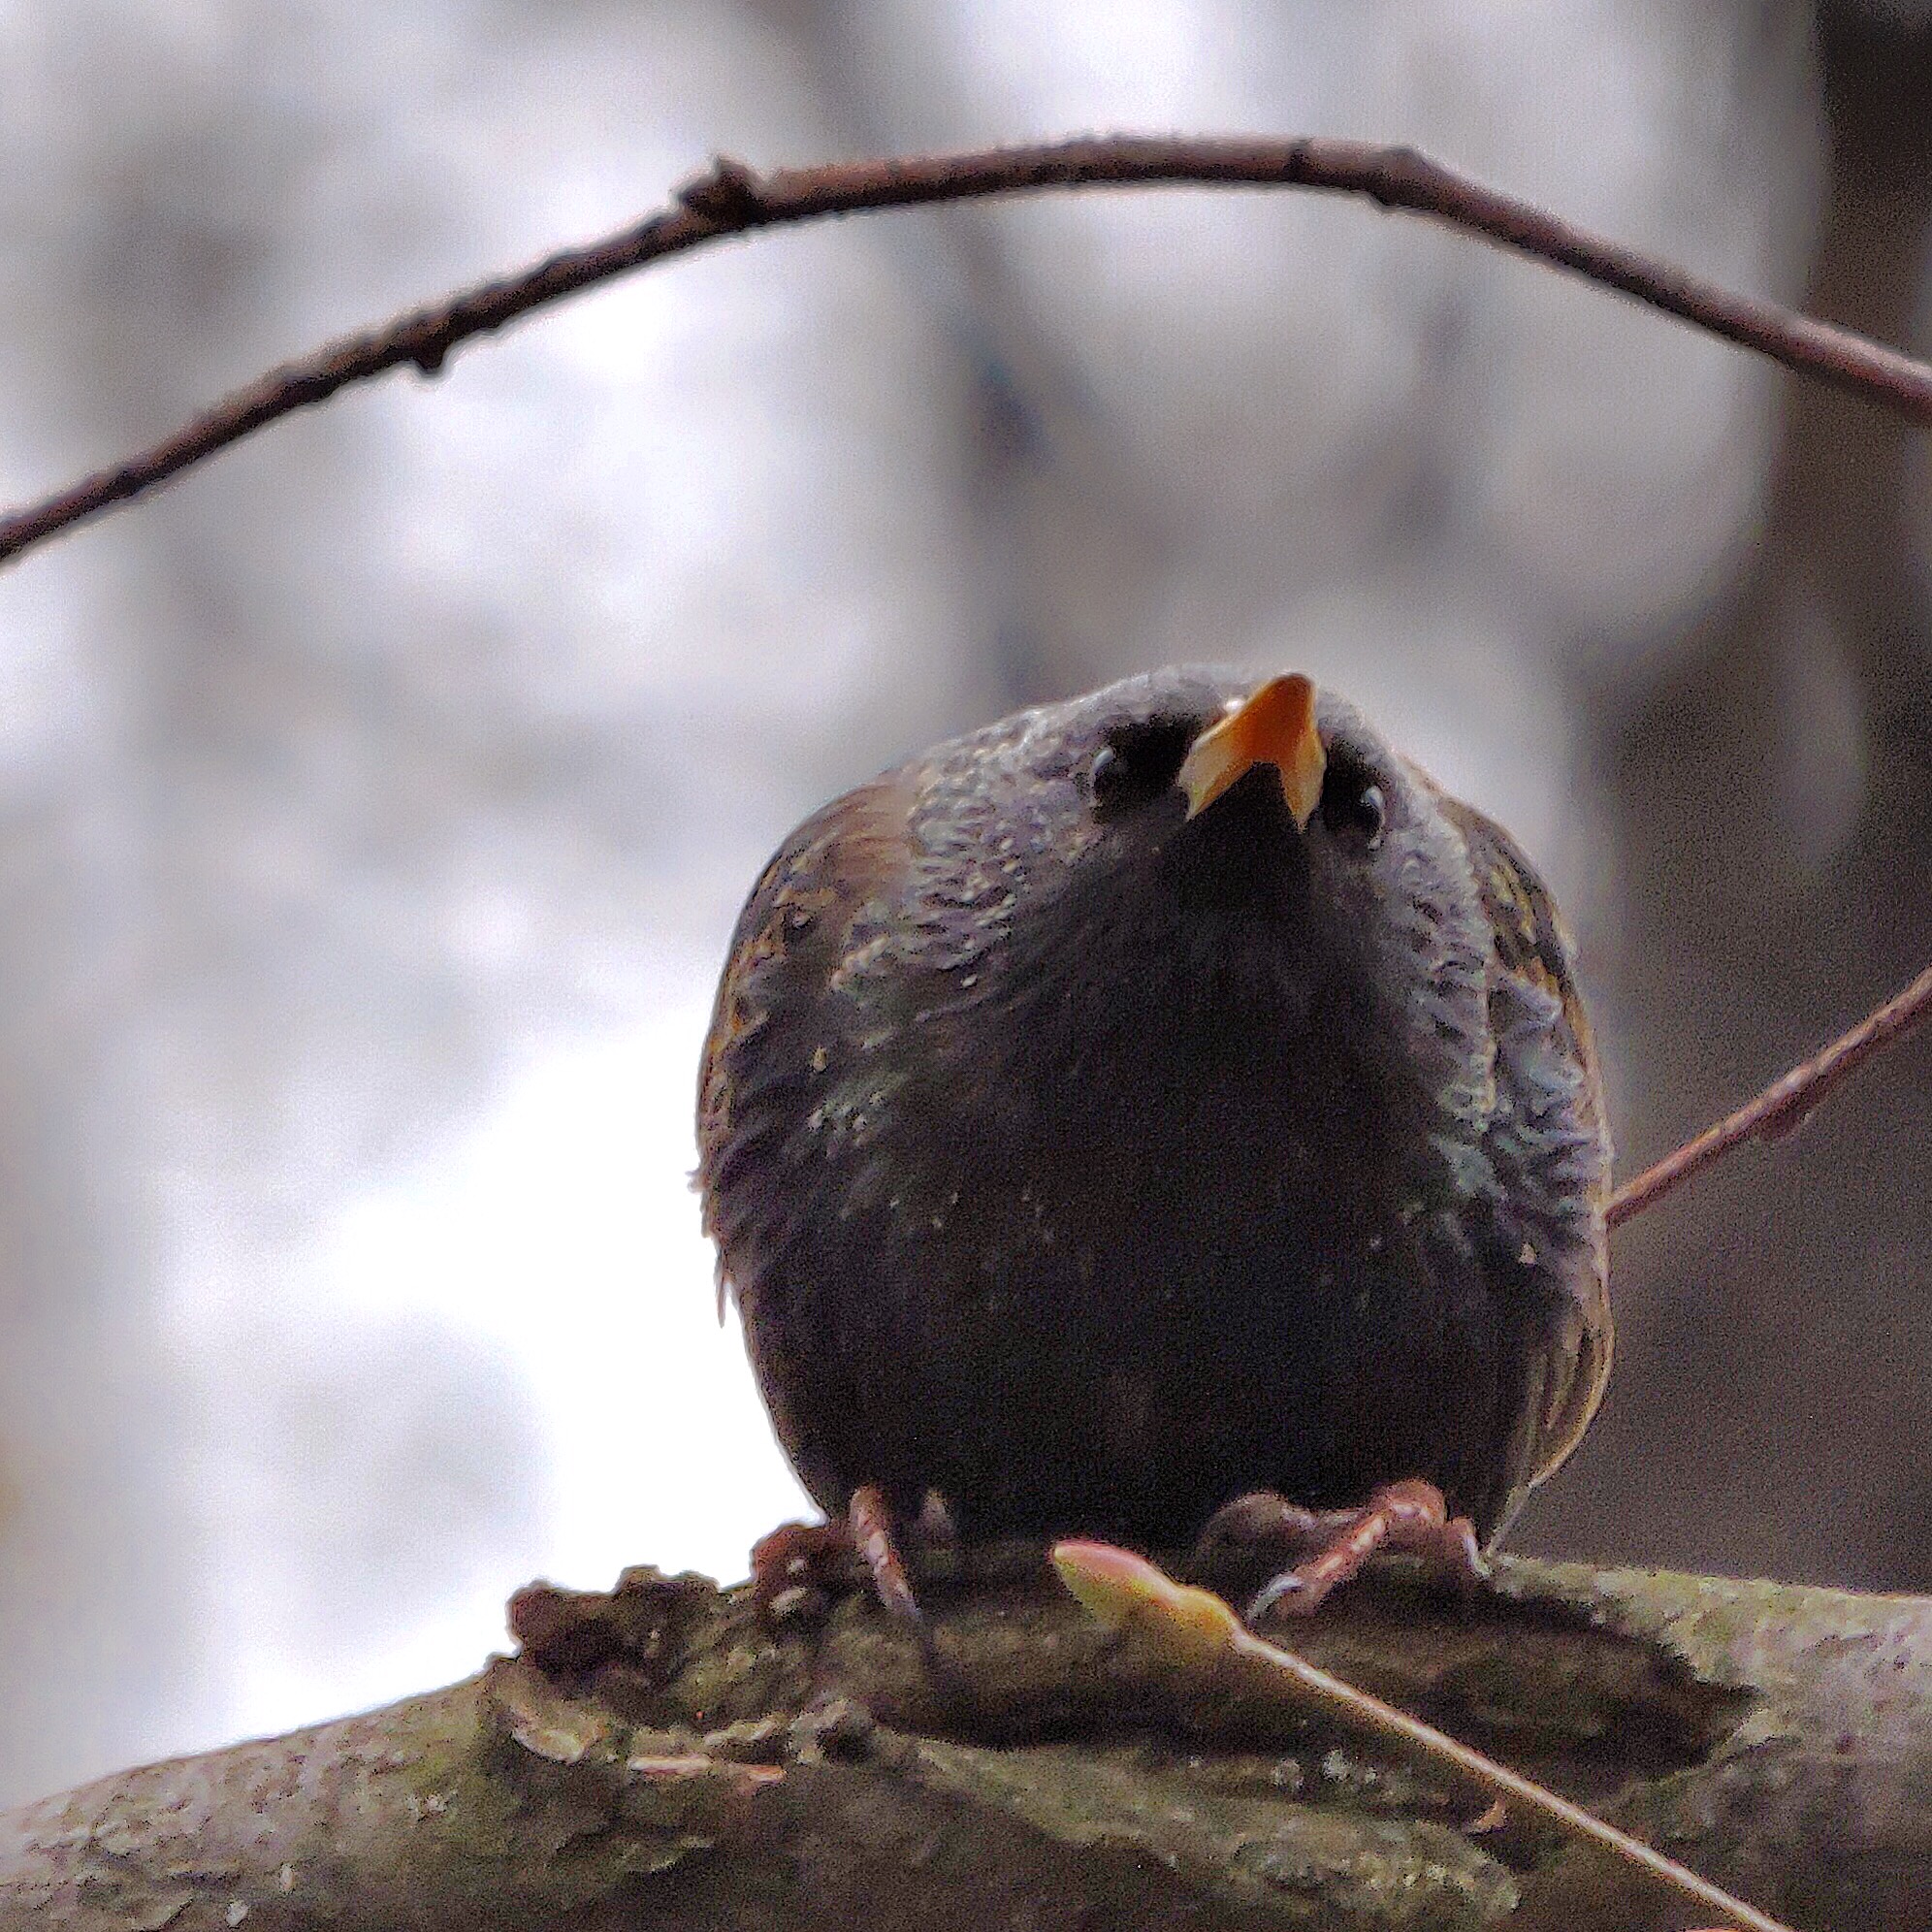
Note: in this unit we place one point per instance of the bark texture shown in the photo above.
(661, 1757)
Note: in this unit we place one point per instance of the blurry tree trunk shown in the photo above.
(1775, 801)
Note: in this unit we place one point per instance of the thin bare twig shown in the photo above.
(732, 199)
(1784, 1106)
(1192, 1632)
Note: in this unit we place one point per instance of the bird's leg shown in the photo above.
(870, 1523)
(1326, 1548)
(938, 1533)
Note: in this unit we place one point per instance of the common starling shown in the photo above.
(1153, 1107)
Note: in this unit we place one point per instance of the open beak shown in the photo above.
(1274, 724)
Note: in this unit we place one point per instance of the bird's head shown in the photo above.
(1213, 853)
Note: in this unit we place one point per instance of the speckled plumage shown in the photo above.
(1095, 1166)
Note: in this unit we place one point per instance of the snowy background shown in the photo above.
(374, 805)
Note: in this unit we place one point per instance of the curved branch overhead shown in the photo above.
(732, 198)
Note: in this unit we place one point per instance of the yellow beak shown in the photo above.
(1274, 724)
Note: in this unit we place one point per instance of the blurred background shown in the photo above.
(374, 805)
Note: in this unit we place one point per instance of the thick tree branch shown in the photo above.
(659, 1758)
(732, 199)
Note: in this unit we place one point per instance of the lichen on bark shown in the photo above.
(664, 1756)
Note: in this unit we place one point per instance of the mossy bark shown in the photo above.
(664, 1758)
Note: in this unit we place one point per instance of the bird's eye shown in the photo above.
(1139, 761)
(1353, 805)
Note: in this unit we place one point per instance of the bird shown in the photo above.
(1161, 1116)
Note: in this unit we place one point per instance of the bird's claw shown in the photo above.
(1330, 1547)
(864, 1543)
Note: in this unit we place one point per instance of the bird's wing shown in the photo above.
(790, 939)
(1542, 1028)
(1532, 943)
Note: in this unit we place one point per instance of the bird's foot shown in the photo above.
(809, 1555)
(1326, 1548)
(831, 1557)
